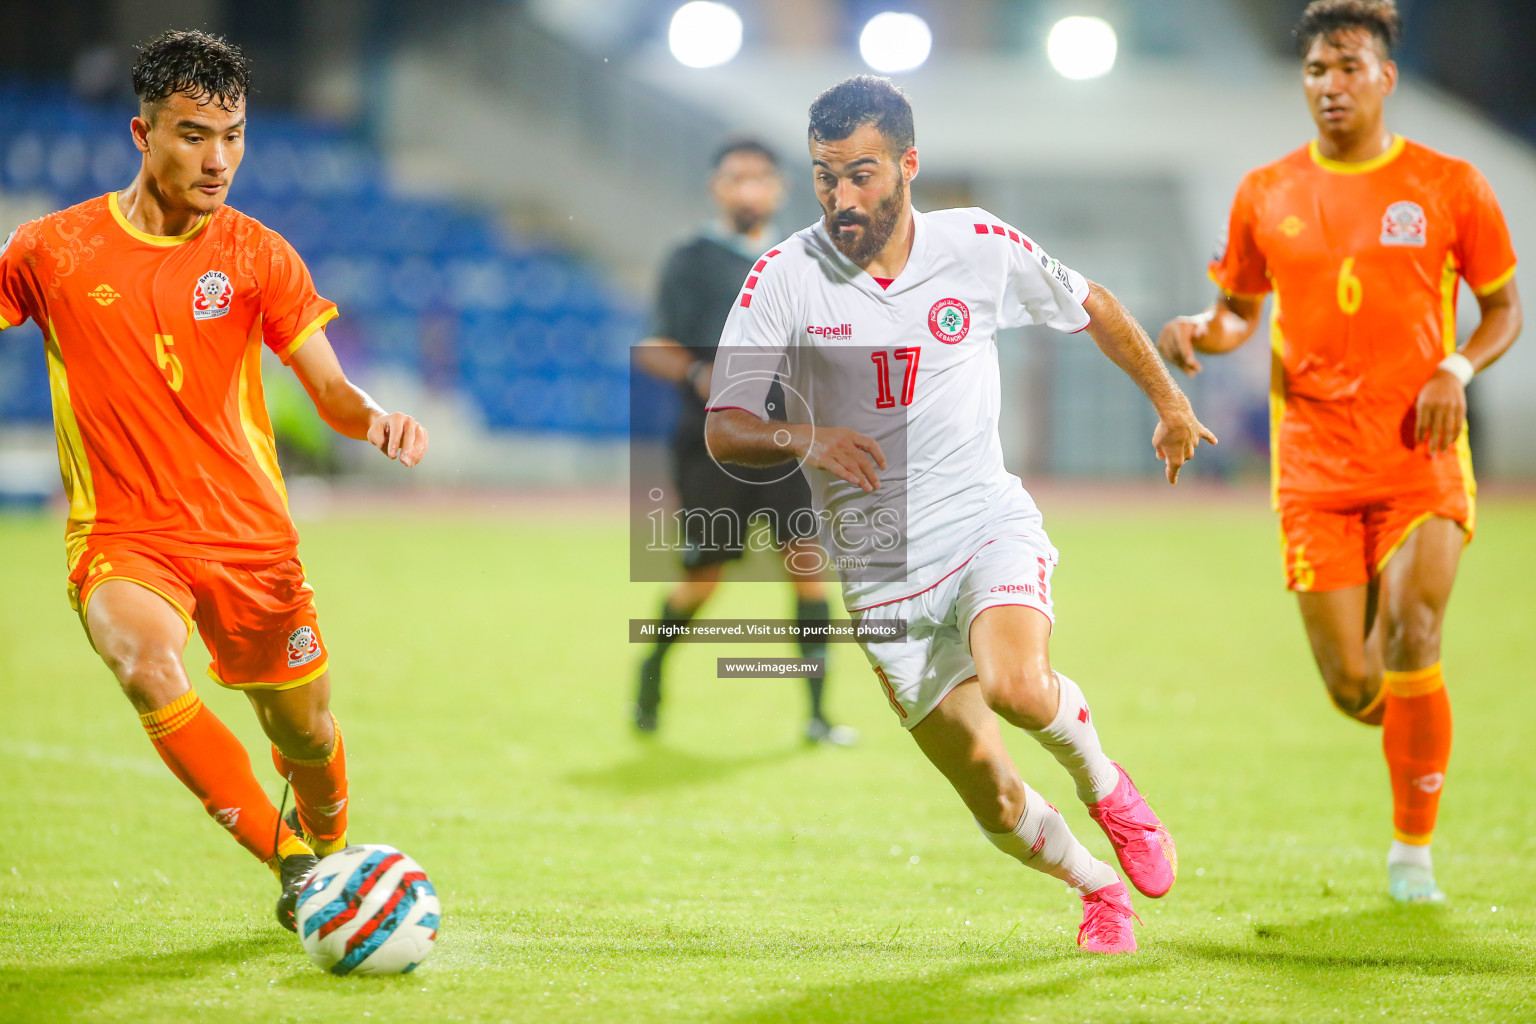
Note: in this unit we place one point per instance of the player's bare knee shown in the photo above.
(1413, 636)
(150, 677)
(304, 736)
(1021, 695)
(1000, 809)
(1351, 688)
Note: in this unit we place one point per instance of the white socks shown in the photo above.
(1042, 840)
(1402, 853)
(1074, 743)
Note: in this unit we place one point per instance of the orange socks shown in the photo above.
(320, 793)
(1416, 737)
(210, 761)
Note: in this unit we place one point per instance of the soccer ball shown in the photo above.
(368, 910)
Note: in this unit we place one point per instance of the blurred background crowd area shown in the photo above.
(487, 189)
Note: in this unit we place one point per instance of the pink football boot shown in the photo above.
(1144, 847)
(1107, 918)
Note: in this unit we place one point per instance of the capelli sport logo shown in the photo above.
(212, 296)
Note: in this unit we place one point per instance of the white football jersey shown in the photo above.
(914, 366)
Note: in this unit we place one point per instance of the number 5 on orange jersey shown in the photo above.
(167, 360)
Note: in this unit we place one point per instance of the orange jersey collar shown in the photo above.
(1361, 166)
(144, 236)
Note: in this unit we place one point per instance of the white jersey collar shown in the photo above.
(858, 276)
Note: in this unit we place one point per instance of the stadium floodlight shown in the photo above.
(1082, 47)
(704, 34)
(895, 42)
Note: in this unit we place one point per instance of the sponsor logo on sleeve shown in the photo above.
(1055, 269)
(303, 647)
(949, 321)
(212, 296)
(1404, 223)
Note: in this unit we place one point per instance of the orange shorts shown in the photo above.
(257, 621)
(1328, 545)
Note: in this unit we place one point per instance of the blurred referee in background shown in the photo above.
(698, 286)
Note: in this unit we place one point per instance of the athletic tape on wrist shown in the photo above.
(1458, 366)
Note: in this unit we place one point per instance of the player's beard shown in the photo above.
(878, 226)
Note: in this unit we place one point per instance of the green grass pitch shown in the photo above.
(724, 872)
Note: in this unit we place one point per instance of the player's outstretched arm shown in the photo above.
(1121, 338)
(667, 360)
(348, 410)
(1220, 327)
(735, 435)
(1441, 408)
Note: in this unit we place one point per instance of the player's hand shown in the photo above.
(1440, 412)
(847, 453)
(398, 436)
(702, 380)
(1177, 436)
(1176, 341)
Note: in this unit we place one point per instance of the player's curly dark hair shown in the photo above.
(1327, 17)
(203, 66)
(860, 100)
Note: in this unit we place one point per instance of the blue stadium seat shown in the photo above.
(537, 339)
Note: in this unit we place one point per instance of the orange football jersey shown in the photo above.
(154, 360)
(1364, 260)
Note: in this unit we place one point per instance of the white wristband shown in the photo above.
(1458, 366)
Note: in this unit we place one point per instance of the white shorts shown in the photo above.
(920, 671)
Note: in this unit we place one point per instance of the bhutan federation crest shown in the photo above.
(212, 296)
(303, 647)
(1404, 223)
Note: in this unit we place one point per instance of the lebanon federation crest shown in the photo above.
(1404, 223)
(949, 321)
(212, 296)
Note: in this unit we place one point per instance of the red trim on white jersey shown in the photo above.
(722, 408)
(757, 268)
(1009, 233)
(941, 579)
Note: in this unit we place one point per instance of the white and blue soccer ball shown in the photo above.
(368, 910)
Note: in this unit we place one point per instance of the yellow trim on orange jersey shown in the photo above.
(325, 664)
(1276, 400)
(85, 605)
(1468, 481)
(6, 325)
(1481, 292)
(1449, 278)
(145, 236)
(74, 467)
(1228, 291)
(1359, 167)
(304, 335)
(253, 416)
(1413, 524)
